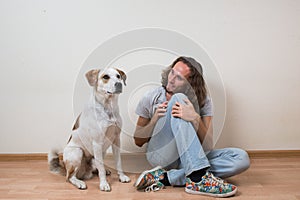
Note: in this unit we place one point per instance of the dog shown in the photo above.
(96, 129)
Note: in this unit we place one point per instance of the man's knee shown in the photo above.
(242, 163)
(178, 97)
(245, 164)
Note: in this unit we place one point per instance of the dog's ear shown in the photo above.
(92, 76)
(123, 75)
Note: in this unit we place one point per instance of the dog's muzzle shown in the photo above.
(118, 87)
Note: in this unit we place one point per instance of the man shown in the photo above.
(174, 120)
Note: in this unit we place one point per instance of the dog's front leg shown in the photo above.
(99, 162)
(117, 156)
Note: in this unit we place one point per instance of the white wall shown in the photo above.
(254, 45)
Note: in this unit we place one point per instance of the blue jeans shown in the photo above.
(175, 146)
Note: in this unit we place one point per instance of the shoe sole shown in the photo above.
(211, 194)
(144, 173)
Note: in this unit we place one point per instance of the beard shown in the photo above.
(171, 88)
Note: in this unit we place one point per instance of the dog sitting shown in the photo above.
(97, 128)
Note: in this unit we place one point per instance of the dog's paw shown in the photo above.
(81, 185)
(104, 186)
(124, 179)
(78, 183)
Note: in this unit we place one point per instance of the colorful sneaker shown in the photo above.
(150, 180)
(210, 186)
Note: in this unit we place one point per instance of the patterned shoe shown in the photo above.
(150, 180)
(210, 186)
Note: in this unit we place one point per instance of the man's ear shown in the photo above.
(123, 75)
(92, 76)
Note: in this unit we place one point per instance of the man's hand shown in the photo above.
(160, 112)
(184, 111)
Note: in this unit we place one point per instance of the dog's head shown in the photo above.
(109, 81)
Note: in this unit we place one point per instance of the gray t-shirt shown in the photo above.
(149, 102)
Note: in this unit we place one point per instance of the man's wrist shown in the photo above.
(196, 120)
(197, 117)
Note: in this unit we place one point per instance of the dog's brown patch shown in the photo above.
(105, 78)
(70, 170)
(92, 76)
(123, 75)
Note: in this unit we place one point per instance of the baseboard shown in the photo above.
(23, 157)
(273, 153)
(252, 154)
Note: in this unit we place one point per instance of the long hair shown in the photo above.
(197, 91)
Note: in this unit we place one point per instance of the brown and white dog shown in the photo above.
(96, 129)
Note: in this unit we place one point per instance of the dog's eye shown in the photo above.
(118, 76)
(106, 77)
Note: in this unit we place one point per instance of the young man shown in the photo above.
(174, 120)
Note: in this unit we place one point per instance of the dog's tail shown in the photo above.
(55, 164)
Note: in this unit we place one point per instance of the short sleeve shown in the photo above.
(143, 106)
(207, 109)
(147, 105)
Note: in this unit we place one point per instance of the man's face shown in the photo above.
(177, 78)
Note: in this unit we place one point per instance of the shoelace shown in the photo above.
(154, 187)
(220, 181)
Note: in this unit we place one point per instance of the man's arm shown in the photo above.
(145, 126)
(201, 125)
(143, 131)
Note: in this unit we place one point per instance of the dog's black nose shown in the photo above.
(118, 87)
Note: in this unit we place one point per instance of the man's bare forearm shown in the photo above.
(142, 133)
(200, 127)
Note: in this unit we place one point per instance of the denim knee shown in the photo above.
(228, 162)
(177, 97)
(242, 163)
